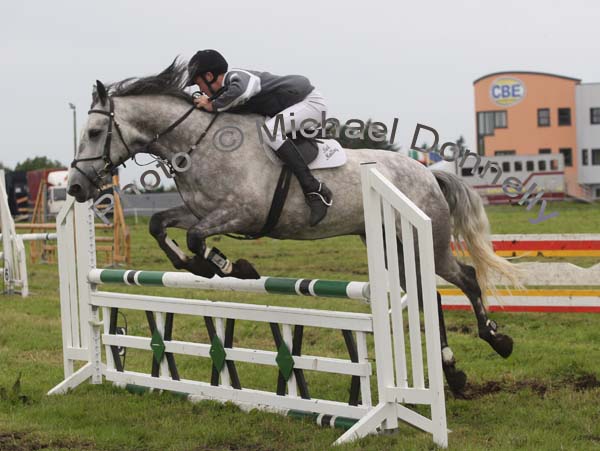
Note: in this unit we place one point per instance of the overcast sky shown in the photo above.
(371, 59)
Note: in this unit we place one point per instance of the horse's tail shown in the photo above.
(470, 224)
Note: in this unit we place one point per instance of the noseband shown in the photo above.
(109, 166)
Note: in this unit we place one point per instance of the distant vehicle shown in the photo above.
(57, 191)
(547, 171)
(17, 192)
(24, 188)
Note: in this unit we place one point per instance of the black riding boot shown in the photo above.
(317, 195)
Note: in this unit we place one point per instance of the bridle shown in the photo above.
(109, 166)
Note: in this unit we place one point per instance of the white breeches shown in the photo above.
(312, 108)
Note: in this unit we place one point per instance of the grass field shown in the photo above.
(546, 396)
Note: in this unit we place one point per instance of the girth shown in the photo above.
(309, 150)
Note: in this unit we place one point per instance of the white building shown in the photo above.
(587, 115)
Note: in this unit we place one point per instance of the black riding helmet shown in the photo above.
(206, 61)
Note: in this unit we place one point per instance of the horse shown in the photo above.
(230, 192)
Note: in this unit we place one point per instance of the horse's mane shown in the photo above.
(170, 82)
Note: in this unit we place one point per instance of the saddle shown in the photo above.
(318, 152)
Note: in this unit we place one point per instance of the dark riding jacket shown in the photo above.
(248, 91)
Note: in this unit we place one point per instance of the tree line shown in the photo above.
(31, 164)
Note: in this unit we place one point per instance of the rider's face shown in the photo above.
(203, 86)
(212, 80)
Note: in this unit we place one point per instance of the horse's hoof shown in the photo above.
(456, 379)
(243, 269)
(200, 267)
(502, 344)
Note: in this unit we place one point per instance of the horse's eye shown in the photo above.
(94, 133)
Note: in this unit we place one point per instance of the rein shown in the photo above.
(279, 196)
(109, 166)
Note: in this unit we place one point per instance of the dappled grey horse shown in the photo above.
(231, 192)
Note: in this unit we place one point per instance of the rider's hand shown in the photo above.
(203, 101)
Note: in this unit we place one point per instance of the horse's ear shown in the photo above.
(102, 93)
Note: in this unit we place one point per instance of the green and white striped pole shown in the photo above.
(323, 420)
(272, 285)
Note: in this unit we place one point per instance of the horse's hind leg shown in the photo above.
(464, 277)
(456, 378)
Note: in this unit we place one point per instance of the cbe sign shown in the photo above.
(507, 91)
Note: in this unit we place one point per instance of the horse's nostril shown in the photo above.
(74, 189)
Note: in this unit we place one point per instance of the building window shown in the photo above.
(544, 151)
(594, 115)
(506, 166)
(488, 121)
(554, 165)
(595, 157)
(597, 193)
(480, 145)
(568, 154)
(542, 165)
(529, 165)
(543, 117)
(564, 116)
(499, 153)
(518, 166)
(500, 119)
(466, 172)
(485, 124)
(584, 157)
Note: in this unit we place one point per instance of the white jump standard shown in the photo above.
(13, 256)
(84, 333)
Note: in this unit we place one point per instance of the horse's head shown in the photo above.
(121, 123)
(102, 149)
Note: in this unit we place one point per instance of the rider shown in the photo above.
(291, 96)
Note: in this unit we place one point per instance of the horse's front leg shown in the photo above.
(217, 223)
(180, 217)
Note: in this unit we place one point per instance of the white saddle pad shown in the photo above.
(331, 155)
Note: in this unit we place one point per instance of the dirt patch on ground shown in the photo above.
(461, 329)
(592, 438)
(474, 390)
(584, 382)
(23, 441)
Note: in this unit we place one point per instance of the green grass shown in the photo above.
(544, 397)
(572, 218)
